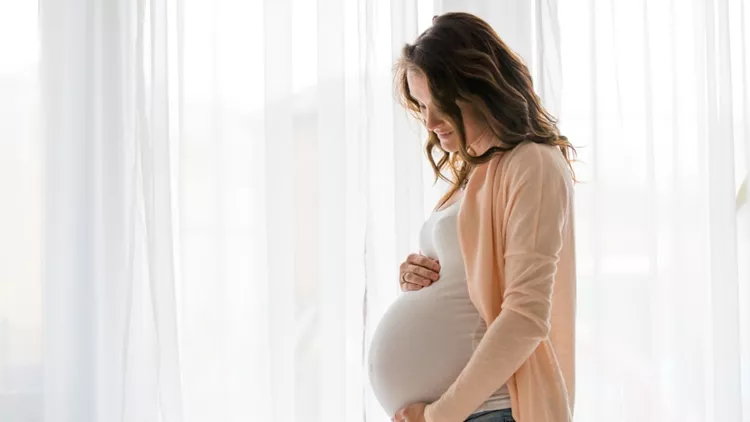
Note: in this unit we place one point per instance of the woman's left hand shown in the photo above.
(411, 413)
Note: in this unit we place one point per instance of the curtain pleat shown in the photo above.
(651, 103)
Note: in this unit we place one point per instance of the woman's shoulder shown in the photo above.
(524, 158)
(529, 165)
(528, 162)
(528, 153)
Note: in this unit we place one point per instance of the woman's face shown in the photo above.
(436, 121)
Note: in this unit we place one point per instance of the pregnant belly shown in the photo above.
(421, 345)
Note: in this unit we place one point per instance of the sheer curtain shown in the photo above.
(210, 221)
(656, 95)
(109, 322)
(298, 178)
(20, 216)
(205, 203)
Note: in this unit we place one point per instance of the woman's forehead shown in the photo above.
(418, 87)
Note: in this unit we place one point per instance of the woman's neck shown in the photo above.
(485, 141)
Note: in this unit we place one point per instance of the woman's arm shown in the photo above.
(533, 214)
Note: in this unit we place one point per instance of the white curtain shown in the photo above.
(226, 191)
(20, 216)
(109, 322)
(656, 94)
(205, 203)
(294, 198)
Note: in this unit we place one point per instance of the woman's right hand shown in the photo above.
(418, 271)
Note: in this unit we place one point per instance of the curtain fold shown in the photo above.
(298, 201)
(110, 348)
(654, 95)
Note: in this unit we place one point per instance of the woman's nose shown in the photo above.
(431, 120)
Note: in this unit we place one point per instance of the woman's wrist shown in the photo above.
(436, 412)
(449, 408)
(428, 413)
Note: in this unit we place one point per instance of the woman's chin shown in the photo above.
(448, 146)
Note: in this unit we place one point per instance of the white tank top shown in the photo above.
(427, 336)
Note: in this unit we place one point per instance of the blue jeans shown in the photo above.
(492, 416)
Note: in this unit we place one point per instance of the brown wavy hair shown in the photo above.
(463, 58)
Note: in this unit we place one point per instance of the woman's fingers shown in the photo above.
(424, 261)
(406, 286)
(414, 278)
(423, 273)
(410, 287)
(418, 271)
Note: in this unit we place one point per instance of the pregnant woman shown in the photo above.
(485, 329)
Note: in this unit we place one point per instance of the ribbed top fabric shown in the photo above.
(427, 336)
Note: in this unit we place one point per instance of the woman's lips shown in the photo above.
(443, 134)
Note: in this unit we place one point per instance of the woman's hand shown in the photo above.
(418, 271)
(411, 413)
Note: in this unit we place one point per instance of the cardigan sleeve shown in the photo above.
(530, 209)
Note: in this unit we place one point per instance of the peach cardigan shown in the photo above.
(516, 233)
